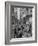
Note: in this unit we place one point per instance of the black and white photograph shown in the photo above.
(20, 22)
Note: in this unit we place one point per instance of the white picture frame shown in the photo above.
(19, 5)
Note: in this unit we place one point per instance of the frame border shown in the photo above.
(7, 3)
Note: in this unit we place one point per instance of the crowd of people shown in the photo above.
(22, 27)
